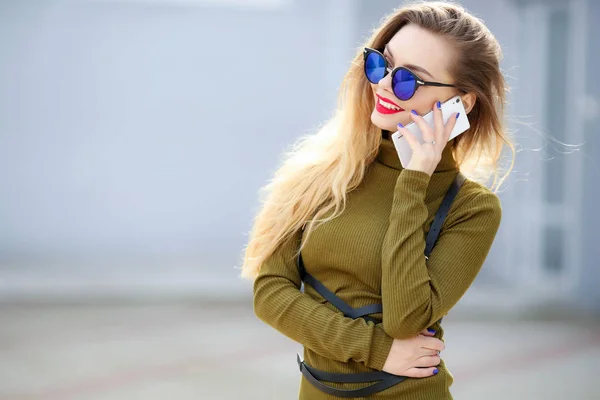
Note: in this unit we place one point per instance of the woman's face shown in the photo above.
(428, 56)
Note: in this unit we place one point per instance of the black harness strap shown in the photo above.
(314, 376)
(386, 380)
(442, 212)
(335, 300)
(440, 216)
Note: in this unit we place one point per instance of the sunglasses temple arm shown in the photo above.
(437, 84)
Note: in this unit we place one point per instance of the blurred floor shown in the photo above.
(202, 351)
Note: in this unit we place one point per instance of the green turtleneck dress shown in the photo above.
(374, 253)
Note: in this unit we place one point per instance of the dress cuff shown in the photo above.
(380, 349)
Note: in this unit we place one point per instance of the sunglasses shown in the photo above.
(404, 82)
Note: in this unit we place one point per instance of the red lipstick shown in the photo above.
(383, 110)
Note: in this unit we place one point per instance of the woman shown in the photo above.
(358, 219)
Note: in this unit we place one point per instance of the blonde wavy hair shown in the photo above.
(311, 185)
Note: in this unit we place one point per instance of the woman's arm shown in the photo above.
(279, 302)
(417, 292)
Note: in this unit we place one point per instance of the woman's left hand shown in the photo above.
(426, 156)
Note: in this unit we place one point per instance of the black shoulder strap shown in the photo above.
(442, 212)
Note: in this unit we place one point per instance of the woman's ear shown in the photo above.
(468, 100)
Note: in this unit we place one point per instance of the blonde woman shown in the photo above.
(380, 270)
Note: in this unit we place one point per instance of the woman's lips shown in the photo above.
(392, 108)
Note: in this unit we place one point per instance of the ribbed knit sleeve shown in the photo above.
(417, 292)
(279, 302)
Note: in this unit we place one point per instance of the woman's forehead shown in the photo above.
(415, 45)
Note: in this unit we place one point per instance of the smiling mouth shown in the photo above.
(386, 106)
(389, 106)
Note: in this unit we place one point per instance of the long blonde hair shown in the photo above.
(321, 168)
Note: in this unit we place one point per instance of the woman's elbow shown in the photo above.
(398, 330)
(405, 326)
(258, 300)
(269, 298)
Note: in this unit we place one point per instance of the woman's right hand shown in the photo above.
(416, 357)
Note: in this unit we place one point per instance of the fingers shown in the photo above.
(428, 135)
(420, 372)
(438, 120)
(448, 129)
(425, 351)
(428, 361)
(428, 352)
(410, 138)
(440, 133)
(432, 343)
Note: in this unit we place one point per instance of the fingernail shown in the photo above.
(439, 105)
(414, 112)
(430, 330)
(435, 371)
(457, 114)
(400, 125)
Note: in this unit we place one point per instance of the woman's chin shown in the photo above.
(384, 123)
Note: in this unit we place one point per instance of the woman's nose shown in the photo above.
(386, 81)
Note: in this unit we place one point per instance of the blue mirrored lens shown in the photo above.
(403, 84)
(374, 67)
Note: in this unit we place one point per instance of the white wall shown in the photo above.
(134, 135)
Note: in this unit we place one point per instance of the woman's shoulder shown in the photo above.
(475, 197)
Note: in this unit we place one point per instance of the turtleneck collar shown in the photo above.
(388, 156)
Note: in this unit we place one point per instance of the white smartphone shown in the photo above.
(449, 107)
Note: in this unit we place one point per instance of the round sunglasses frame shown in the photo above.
(418, 81)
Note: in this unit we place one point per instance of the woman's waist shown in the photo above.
(436, 384)
(316, 360)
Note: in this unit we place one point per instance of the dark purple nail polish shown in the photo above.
(439, 104)
(435, 371)
(400, 125)
(414, 112)
(457, 115)
(430, 330)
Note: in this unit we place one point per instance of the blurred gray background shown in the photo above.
(135, 134)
